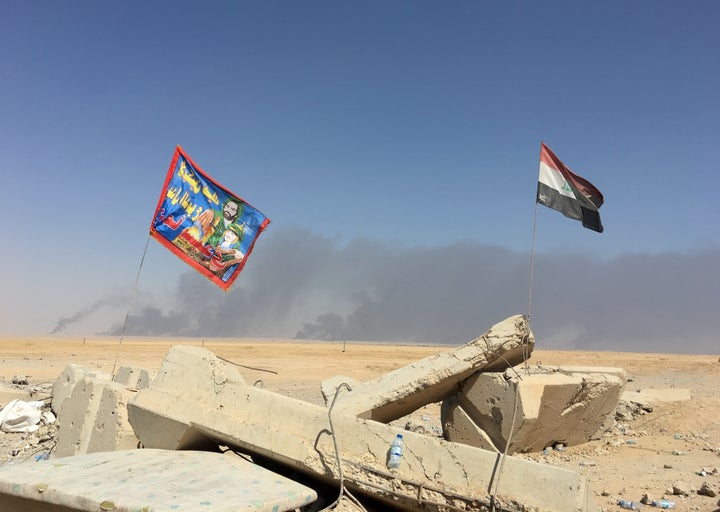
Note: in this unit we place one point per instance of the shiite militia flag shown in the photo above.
(572, 195)
(203, 223)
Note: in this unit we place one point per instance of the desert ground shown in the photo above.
(637, 456)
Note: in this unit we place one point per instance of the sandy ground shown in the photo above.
(634, 458)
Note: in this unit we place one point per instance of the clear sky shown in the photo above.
(395, 147)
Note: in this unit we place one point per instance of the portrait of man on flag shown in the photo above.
(203, 223)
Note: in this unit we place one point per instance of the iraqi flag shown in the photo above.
(572, 195)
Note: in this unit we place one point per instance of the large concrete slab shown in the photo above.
(527, 411)
(400, 392)
(148, 480)
(195, 398)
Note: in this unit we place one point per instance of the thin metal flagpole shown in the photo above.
(130, 305)
(532, 262)
(526, 356)
(525, 361)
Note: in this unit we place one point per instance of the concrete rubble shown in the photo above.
(527, 410)
(196, 401)
(91, 409)
(437, 377)
(490, 402)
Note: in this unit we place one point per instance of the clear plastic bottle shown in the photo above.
(664, 504)
(396, 450)
(630, 505)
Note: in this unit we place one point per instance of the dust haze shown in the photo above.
(299, 284)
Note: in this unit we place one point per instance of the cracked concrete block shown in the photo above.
(535, 410)
(66, 381)
(400, 392)
(93, 418)
(133, 377)
(457, 426)
(329, 387)
(194, 401)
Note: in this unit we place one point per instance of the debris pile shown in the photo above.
(494, 405)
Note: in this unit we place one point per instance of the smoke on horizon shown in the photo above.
(298, 284)
(110, 301)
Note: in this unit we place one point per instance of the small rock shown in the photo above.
(415, 427)
(20, 380)
(605, 492)
(707, 490)
(681, 488)
(646, 499)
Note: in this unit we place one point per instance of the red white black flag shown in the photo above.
(572, 195)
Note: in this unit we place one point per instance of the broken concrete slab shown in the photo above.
(329, 387)
(129, 376)
(93, 418)
(158, 480)
(435, 475)
(528, 410)
(91, 407)
(132, 377)
(581, 370)
(68, 378)
(460, 428)
(400, 392)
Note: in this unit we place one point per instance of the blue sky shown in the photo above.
(394, 146)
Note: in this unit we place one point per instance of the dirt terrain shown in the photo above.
(662, 451)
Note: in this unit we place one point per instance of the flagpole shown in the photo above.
(532, 262)
(526, 355)
(130, 305)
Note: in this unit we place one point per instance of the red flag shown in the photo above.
(203, 223)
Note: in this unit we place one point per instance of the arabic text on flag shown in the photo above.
(203, 223)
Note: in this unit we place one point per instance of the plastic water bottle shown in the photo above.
(396, 450)
(664, 504)
(630, 505)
